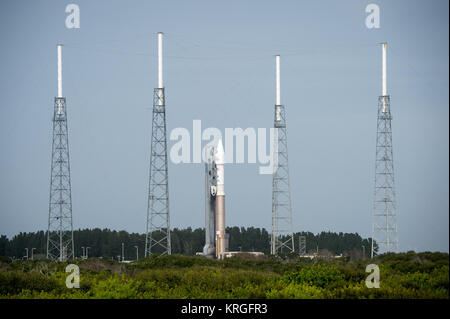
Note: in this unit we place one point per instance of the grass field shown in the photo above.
(406, 275)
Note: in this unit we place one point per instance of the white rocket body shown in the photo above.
(219, 158)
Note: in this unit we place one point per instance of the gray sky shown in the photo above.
(219, 68)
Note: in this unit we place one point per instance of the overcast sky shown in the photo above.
(219, 68)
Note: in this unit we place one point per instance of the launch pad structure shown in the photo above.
(282, 237)
(384, 212)
(60, 246)
(157, 239)
(60, 243)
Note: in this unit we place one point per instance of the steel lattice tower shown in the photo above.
(60, 244)
(384, 213)
(282, 237)
(158, 219)
(302, 245)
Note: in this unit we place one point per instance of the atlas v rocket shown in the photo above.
(219, 158)
(215, 242)
(209, 249)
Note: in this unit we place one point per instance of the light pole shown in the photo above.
(32, 250)
(137, 252)
(87, 252)
(27, 253)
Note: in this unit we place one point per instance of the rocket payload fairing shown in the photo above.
(219, 158)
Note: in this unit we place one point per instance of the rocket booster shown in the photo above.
(219, 158)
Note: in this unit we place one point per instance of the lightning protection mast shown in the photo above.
(282, 237)
(157, 240)
(60, 245)
(384, 212)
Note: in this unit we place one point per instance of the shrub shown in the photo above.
(15, 282)
(319, 276)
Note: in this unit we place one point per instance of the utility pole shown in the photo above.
(137, 252)
(83, 253)
(32, 254)
(384, 212)
(123, 255)
(282, 237)
(87, 252)
(60, 230)
(157, 238)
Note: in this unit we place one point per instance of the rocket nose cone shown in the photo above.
(220, 153)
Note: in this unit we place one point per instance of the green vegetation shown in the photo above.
(406, 275)
(107, 243)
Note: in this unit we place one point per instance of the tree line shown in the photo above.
(107, 243)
